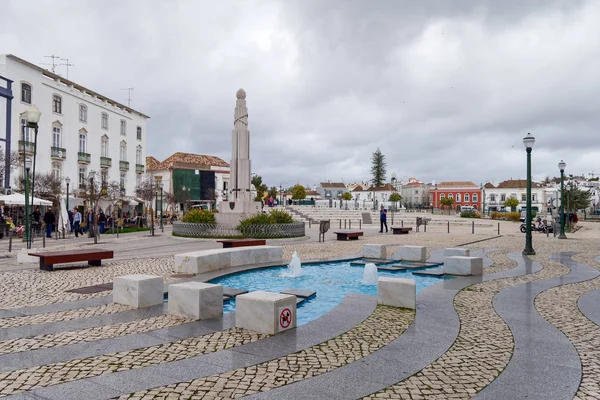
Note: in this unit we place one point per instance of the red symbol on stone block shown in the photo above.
(285, 318)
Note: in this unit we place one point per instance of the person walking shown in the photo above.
(101, 221)
(70, 215)
(77, 222)
(383, 219)
(49, 220)
(36, 219)
(90, 223)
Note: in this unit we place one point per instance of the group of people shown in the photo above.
(77, 225)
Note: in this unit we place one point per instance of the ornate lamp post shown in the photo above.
(67, 181)
(528, 141)
(32, 118)
(160, 186)
(561, 166)
(27, 163)
(92, 228)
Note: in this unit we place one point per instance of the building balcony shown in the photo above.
(139, 168)
(26, 147)
(124, 165)
(105, 161)
(84, 157)
(58, 153)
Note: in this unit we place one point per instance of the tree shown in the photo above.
(273, 192)
(14, 163)
(394, 198)
(260, 187)
(147, 192)
(511, 202)
(448, 202)
(576, 199)
(378, 168)
(298, 192)
(346, 196)
(171, 200)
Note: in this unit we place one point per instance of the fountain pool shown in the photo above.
(331, 280)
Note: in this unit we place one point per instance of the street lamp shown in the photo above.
(561, 166)
(160, 185)
(27, 164)
(528, 141)
(92, 228)
(32, 118)
(67, 181)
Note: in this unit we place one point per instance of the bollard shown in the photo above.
(498, 228)
(425, 228)
(360, 224)
(340, 224)
(349, 224)
(344, 223)
(473, 227)
(309, 224)
(9, 242)
(402, 223)
(44, 241)
(448, 226)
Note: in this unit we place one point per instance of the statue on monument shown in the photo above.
(240, 203)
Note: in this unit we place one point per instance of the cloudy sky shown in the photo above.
(446, 89)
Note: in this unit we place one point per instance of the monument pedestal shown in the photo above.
(241, 210)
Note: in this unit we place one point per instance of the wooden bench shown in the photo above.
(93, 257)
(348, 235)
(400, 231)
(229, 243)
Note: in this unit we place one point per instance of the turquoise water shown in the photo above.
(332, 281)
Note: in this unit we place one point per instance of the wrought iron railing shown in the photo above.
(105, 161)
(83, 157)
(266, 231)
(58, 152)
(124, 165)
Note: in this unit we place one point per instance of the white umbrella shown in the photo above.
(19, 199)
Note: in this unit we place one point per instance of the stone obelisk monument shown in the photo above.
(240, 203)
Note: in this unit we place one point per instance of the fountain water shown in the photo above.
(294, 268)
(370, 274)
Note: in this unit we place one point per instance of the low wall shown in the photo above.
(210, 260)
(263, 231)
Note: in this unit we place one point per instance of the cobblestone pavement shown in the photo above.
(35, 287)
(559, 307)
(104, 309)
(379, 329)
(483, 347)
(52, 374)
(90, 334)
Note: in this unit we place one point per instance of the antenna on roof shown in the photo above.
(54, 57)
(129, 90)
(66, 65)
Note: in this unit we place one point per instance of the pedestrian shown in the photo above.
(383, 219)
(36, 219)
(49, 220)
(90, 223)
(77, 222)
(101, 221)
(70, 214)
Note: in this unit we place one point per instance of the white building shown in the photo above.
(79, 130)
(496, 195)
(415, 193)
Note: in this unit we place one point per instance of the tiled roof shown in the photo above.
(459, 183)
(414, 184)
(358, 188)
(151, 163)
(332, 185)
(383, 188)
(516, 184)
(189, 159)
(489, 186)
(311, 193)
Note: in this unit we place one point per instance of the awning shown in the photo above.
(19, 200)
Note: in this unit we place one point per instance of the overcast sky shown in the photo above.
(446, 89)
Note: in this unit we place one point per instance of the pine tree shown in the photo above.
(377, 168)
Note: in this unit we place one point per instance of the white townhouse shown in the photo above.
(79, 131)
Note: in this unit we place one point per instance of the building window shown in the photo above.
(417, 191)
(82, 113)
(56, 136)
(56, 171)
(123, 152)
(492, 197)
(450, 196)
(138, 180)
(57, 104)
(104, 121)
(26, 93)
(123, 127)
(82, 143)
(442, 196)
(139, 133)
(533, 199)
(123, 180)
(104, 146)
(523, 197)
(458, 197)
(467, 197)
(82, 175)
(25, 131)
(138, 155)
(503, 198)
(475, 198)
(104, 177)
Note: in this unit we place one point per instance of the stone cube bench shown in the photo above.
(397, 292)
(375, 251)
(410, 253)
(460, 265)
(196, 300)
(265, 312)
(210, 260)
(457, 251)
(138, 291)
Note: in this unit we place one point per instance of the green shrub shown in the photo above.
(506, 216)
(199, 216)
(496, 215)
(470, 214)
(281, 217)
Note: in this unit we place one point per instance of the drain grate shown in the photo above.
(92, 289)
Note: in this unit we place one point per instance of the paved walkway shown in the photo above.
(528, 328)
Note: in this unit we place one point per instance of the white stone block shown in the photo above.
(210, 260)
(138, 291)
(459, 265)
(413, 253)
(265, 312)
(24, 257)
(196, 300)
(375, 251)
(397, 292)
(457, 251)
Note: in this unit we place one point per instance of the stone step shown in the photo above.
(433, 272)
(305, 294)
(231, 292)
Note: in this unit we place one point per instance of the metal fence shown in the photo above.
(263, 231)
